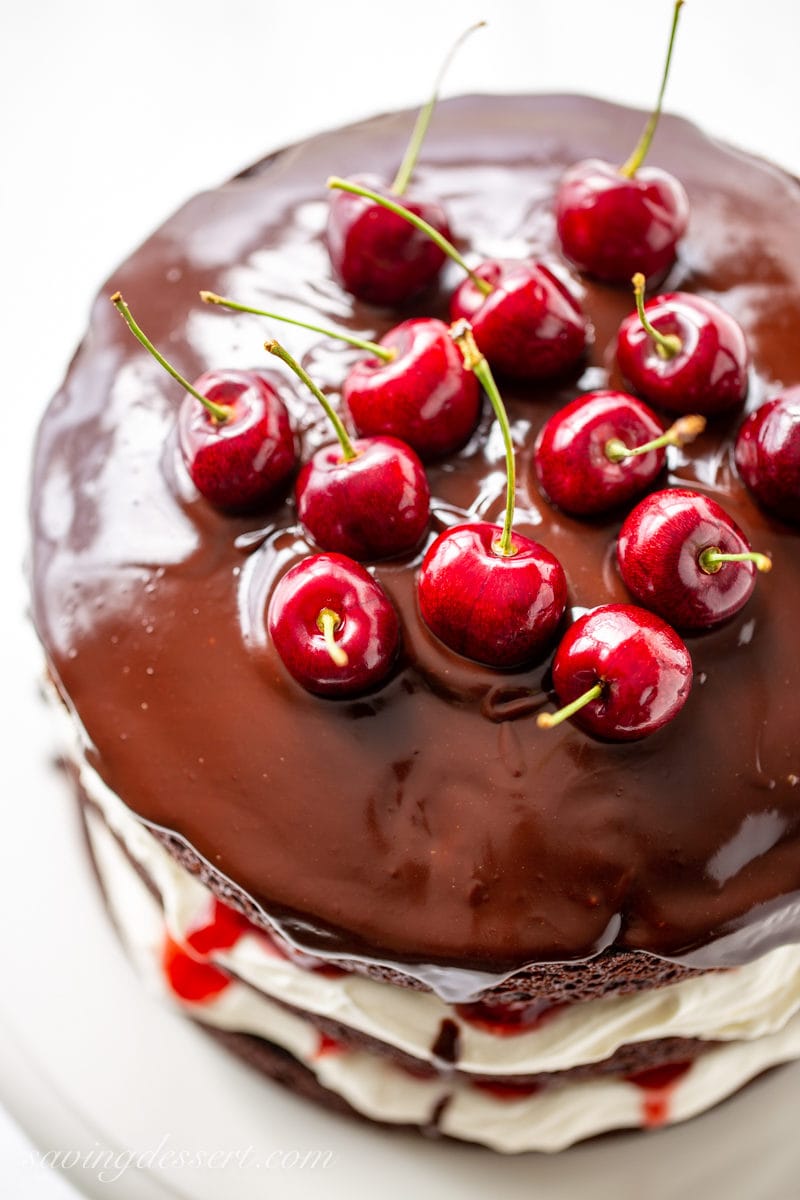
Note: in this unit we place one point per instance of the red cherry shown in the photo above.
(369, 498)
(423, 395)
(414, 386)
(683, 353)
(485, 591)
(333, 625)
(621, 673)
(248, 458)
(530, 325)
(602, 450)
(610, 225)
(234, 432)
(768, 454)
(612, 220)
(502, 610)
(375, 505)
(682, 556)
(374, 253)
(527, 320)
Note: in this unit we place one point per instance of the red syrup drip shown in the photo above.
(507, 1091)
(327, 1046)
(658, 1084)
(508, 1020)
(195, 980)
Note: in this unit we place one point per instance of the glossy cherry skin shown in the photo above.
(644, 667)
(501, 611)
(531, 326)
(570, 459)
(425, 396)
(707, 375)
(376, 505)
(768, 454)
(368, 629)
(611, 226)
(659, 550)
(246, 461)
(378, 256)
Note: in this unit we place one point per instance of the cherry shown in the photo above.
(524, 314)
(234, 432)
(602, 449)
(487, 592)
(423, 395)
(682, 556)
(612, 220)
(620, 672)
(768, 454)
(683, 353)
(333, 625)
(367, 498)
(414, 386)
(374, 254)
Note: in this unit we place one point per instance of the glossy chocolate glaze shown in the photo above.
(431, 822)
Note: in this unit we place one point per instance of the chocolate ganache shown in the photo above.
(429, 822)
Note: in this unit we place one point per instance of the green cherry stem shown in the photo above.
(381, 352)
(328, 622)
(345, 185)
(548, 720)
(712, 560)
(348, 450)
(667, 345)
(462, 335)
(685, 429)
(631, 166)
(220, 412)
(406, 168)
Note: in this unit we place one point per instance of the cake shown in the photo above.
(415, 905)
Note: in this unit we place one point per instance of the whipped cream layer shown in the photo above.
(744, 1004)
(549, 1120)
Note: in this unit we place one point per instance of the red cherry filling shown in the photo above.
(333, 625)
(602, 450)
(768, 454)
(621, 673)
(683, 353)
(682, 556)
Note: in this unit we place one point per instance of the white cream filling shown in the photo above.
(749, 1003)
(548, 1121)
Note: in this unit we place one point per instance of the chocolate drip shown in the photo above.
(487, 849)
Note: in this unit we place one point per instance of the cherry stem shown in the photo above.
(220, 412)
(356, 189)
(381, 352)
(548, 720)
(667, 345)
(462, 335)
(348, 451)
(631, 166)
(406, 168)
(712, 560)
(327, 623)
(685, 429)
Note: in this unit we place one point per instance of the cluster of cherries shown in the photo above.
(489, 593)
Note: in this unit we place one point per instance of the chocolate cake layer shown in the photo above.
(430, 823)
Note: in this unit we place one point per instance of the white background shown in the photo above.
(112, 114)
